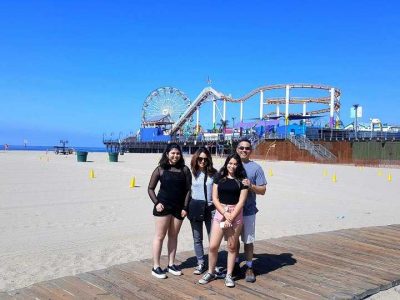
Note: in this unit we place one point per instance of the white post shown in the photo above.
(197, 119)
(214, 108)
(277, 110)
(241, 111)
(287, 105)
(261, 104)
(304, 120)
(224, 111)
(331, 120)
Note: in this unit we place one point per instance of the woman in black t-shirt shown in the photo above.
(229, 196)
(170, 205)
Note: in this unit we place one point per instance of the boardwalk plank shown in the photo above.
(140, 272)
(119, 288)
(369, 238)
(53, 290)
(382, 279)
(361, 245)
(386, 232)
(343, 264)
(349, 255)
(81, 289)
(145, 283)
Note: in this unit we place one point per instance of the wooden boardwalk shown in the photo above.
(343, 264)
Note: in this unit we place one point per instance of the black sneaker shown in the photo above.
(200, 269)
(220, 272)
(159, 273)
(237, 272)
(174, 270)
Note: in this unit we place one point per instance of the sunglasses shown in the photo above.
(244, 148)
(205, 159)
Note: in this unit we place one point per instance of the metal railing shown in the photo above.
(316, 150)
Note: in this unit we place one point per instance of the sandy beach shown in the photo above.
(56, 221)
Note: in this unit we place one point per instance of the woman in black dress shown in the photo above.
(170, 205)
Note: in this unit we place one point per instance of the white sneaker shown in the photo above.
(207, 278)
(229, 281)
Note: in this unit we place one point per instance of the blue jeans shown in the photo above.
(197, 230)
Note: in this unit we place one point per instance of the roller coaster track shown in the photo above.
(209, 91)
(203, 96)
(283, 86)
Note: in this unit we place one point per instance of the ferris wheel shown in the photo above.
(165, 101)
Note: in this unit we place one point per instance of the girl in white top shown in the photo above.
(201, 208)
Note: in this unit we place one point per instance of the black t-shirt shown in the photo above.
(229, 190)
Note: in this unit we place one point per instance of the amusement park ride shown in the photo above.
(168, 115)
(171, 110)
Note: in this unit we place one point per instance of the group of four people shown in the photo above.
(224, 200)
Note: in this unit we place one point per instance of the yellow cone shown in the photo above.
(91, 174)
(270, 173)
(132, 183)
(334, 177)
(390, 177)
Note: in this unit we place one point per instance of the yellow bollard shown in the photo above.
(91, 174)
(389, 177)
(270, 173)
(380, 173)
(132, 183)
(334, 179)
(325, 173)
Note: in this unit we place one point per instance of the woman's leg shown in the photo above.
(233, 240)
(197, 230)
(215, 241)
(162, 224)
(173, 231)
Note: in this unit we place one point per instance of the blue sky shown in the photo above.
(78, 69)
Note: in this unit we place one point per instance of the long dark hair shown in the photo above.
(240, 172)
(164, 161)
(210, 170)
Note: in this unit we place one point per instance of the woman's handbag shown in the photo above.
(197, 209)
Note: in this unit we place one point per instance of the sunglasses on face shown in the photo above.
(244, 148)
(200, 159)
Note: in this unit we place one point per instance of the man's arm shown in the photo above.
(258, 189)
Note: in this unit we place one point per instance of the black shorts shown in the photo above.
(176, 212)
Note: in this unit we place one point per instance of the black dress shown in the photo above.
(174, 193)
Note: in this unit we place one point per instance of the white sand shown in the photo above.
(56, 221)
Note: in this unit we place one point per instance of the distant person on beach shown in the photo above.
(5, 147)
(170, 205)
(256, 184)
(201, 207)
(229, 196)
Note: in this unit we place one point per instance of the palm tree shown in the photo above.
(223, 125)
